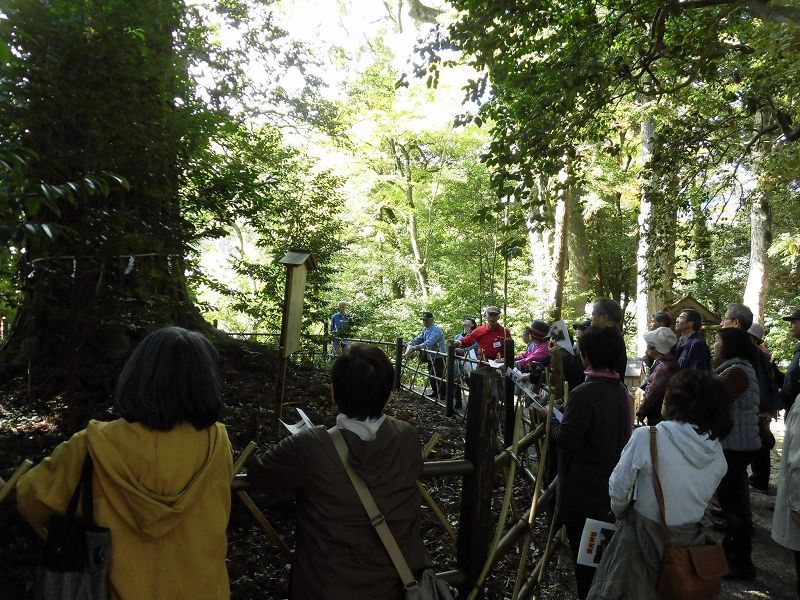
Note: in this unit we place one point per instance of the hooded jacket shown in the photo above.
(785, 530)
(338, 554)
(165, 496)
(690, 467)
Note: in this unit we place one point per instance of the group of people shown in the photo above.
(485, 342)
(709, 426)
(758, 391)
(163, 469)
(162, 477)
(712, 424)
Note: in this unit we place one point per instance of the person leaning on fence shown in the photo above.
(469, 326)
(430, 345)
(338, 555)
(538, 349)
(595, 427)
(463, 367)
(490, 337)
(162, 473)
(697, 413)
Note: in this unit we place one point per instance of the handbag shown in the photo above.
(429, 587)
(75, 561)
(687, 572)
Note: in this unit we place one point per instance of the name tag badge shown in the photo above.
(497, 344)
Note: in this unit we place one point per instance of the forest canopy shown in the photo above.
(156, 158)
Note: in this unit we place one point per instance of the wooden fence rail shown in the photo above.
(488, 391)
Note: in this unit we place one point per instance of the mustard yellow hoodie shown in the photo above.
(165, 496)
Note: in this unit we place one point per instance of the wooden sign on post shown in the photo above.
(298, 263)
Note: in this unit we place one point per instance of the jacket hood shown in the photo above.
(151, 477)
(697, 448)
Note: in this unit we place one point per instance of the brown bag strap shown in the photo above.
(376, 519)
(657, 484)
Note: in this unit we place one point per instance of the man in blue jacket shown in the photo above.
(428, 344)
(692, 350)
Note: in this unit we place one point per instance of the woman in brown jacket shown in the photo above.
(338, 554)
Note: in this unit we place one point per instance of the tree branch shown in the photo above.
(692, 4)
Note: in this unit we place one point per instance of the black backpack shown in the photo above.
(768, 390)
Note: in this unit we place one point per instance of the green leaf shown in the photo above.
(33, 204)
(5, 53)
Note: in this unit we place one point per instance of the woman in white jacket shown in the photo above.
(786, 519)
(697, 415)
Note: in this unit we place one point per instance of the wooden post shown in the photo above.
(325, 340)
(450, 384)
(508, 395)
(398, 363)
(280, 390)
(298, 263)
(476, 491)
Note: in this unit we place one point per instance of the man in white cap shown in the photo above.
(491, 337)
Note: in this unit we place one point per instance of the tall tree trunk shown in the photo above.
(117, 269)
(755, 291)
(564, 207)
(645, 299)
(403, 164)
(666, 295)
(656, 251)
(419, 267)
(579, 259)
(539, 240)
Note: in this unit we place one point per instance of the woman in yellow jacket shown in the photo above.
(162, 474)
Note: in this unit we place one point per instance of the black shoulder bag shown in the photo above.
(75, 561)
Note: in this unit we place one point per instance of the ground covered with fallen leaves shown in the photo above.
(258, 570)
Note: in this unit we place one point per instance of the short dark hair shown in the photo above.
(698, 397)
(473, 321)
(609, 308)
(694, 317)
(663, 318)
(736, 343)
(170, 378)
(362, 381)
(602, 346)
(741, 313)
